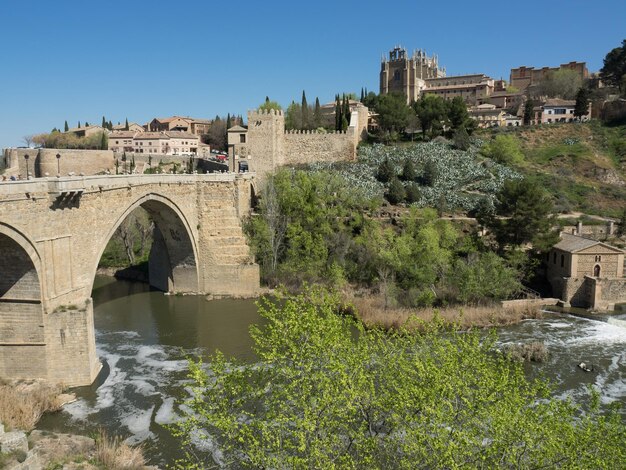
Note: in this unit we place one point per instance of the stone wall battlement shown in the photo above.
(313, 131)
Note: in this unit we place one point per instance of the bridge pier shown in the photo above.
(53, 233)
(70, 348)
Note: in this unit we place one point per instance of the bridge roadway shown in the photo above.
(53, 232)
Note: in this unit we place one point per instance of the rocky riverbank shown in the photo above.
(22, 403)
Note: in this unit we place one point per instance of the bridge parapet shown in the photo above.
(74, 183)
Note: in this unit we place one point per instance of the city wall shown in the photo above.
(270, 146)
(44, 162)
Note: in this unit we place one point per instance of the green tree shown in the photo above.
(562, 83)
(104, 123)
(328, 393)
(386, 171)
(229, 123)
(66, 127)
(269, 105)
(126, 125)
(457, 113)
(408, 171)
(317, 114)
(432, 112)
(338, 113)
(483, 277)
(293, 116)
(104, 141)
(430, 173)
(413, 193)
(461, 139)
(529, 112)
(504, 149)
(395, 193)
(79, 124)
(613, 72)
(582, 103)
(305, 124)
(523, 213)
(393, 112)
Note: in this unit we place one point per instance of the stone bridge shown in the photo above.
(53, 232)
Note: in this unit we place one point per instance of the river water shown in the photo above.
(144, 339)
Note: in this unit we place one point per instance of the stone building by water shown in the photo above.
(586, 273)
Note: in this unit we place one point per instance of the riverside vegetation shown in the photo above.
(328, 393)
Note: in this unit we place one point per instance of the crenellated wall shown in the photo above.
(270, 146)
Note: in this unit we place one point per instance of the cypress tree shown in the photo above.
(67, 127)
(386, 171)
(345, 111)
(110, 125)
(337, 113)
(228, 122)
(86, 124)
(412, 193)
(396, 192)
(582, 103)
(104, 123)
(362, 95)
(408, 171)
(104, 141)
(79, 124)
(305, 112)
(317, 114)
(528, 111)
(126, 125)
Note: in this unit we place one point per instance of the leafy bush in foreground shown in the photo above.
(327, 393)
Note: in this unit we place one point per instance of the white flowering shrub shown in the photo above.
(462, 179)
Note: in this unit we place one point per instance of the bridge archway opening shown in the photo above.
(153, 236)
(21, 312)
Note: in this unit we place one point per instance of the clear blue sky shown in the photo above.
(79, 60)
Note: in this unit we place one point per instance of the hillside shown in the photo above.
(583, 165)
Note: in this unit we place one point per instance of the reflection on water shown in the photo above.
(144, 337)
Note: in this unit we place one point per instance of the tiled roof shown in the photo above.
(559, 102)
(573, 243)
(237, 129)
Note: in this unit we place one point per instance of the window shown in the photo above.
(554, 258)
(242, 138)
(562, 260)
(598, 258)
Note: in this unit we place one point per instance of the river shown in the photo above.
(145, 337)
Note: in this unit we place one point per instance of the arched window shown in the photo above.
(596, 270)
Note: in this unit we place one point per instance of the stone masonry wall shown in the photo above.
(611, 292)
(42, 161)
(306, 147)
(66, 224)
(270, 146)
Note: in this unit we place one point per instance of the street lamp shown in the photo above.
(58, 165)
(26, 158)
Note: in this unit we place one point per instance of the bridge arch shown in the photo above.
(22, 341)
(173, 261)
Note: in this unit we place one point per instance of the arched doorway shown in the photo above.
(596, 270)
(22, 341)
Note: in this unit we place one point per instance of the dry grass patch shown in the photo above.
(370, 310)
(527, 352)
(115, 454)
(23, 403)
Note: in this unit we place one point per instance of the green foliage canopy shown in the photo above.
(326, 393)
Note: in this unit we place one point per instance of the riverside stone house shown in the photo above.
(586, 273)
